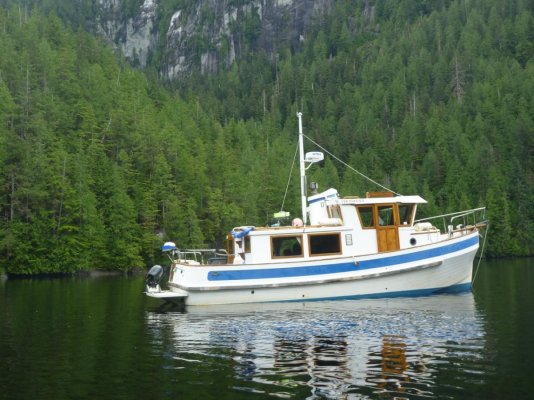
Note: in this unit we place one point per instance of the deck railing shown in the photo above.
(460, 220)
(202, 256)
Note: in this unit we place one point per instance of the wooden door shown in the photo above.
(387, 233)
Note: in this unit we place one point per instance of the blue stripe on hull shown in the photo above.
(460, 288)
(269, 273)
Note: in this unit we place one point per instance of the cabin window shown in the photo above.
(324, 244)
(385, 216)
(242, 242)
(334, 212)
(366, 216)
(406, 214)
(286, 246)
(247, 244)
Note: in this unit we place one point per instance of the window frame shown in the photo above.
(314, 235)
(334, 211)
(275, 237)
(412, 216)
(372, 226)
(395, 219)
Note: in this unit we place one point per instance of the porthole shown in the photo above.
(413, 242)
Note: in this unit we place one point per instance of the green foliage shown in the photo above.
(99, 165)
(74, 177)
(427, 97)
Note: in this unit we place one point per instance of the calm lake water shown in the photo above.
(100, 338)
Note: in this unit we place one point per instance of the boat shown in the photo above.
(341, 247)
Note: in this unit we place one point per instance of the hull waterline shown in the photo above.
(449, 273)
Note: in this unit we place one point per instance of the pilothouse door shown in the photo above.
(387, 233)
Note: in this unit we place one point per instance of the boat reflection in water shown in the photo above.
(333, 349)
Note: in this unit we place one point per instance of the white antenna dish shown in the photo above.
(314, 156)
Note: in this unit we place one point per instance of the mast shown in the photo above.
(302, 171)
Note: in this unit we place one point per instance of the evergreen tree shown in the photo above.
(99, 164)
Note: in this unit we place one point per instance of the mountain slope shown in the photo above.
(99, 164)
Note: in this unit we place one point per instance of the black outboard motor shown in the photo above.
(153, 277)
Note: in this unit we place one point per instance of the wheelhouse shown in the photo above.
(351, 226)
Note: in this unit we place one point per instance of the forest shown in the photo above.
(100, 163)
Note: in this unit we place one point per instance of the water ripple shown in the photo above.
(398, 348)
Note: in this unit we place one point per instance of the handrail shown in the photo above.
(182, 254)
(202, 250)
(472, 211)
(458, 214)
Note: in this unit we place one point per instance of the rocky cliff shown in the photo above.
(206, 35)
(135, 36)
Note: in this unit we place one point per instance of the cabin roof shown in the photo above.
(331, 196)
(379, 200)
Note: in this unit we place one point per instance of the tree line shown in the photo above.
(100, 163)
(427, 97)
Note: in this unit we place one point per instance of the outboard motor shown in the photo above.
(153, 277)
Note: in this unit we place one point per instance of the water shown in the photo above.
(101, 338)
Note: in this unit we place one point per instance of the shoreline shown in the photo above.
(92, 273)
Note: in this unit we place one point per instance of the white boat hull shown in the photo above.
(441, 267)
